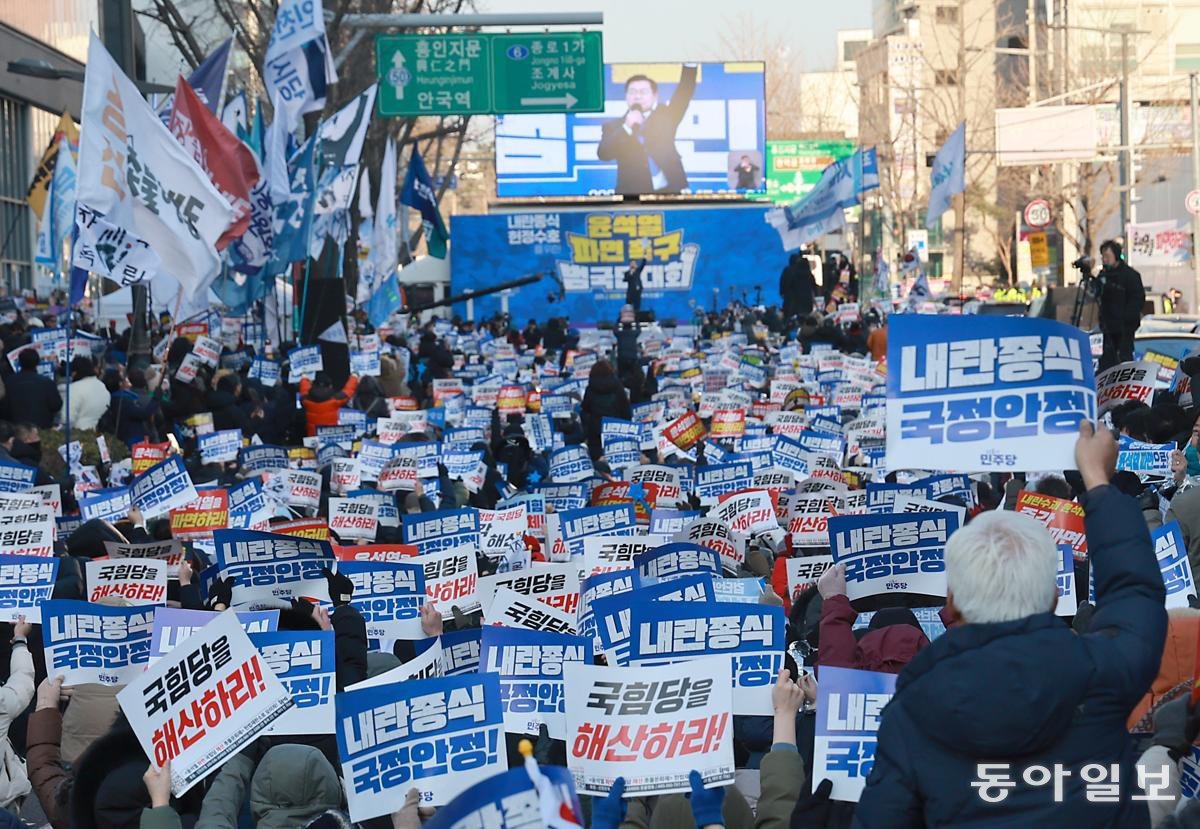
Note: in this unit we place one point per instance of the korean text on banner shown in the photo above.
(94, 643)
(439, 735)
(26, 583)
(890, 553)
(849, 706)
(652, 734)
(530, 665)
(750, 637)
(986, 393)
(202, 702)
(304, 662)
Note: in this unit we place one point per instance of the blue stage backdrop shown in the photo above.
(691, 251)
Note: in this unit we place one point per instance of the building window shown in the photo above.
(852, 48)
(946, 15)
(945, 77)
(16, 232)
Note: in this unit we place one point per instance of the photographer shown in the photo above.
(1121, 299)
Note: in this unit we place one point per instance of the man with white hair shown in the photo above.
(1010, 718)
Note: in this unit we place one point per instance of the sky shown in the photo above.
(677, 30)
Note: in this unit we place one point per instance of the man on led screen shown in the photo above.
(643, 140)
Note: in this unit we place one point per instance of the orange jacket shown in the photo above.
(324, 412)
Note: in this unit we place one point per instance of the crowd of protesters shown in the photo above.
(1007, 682)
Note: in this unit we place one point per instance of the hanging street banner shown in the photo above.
(481, 73)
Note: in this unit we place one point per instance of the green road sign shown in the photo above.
(489, 73)
(433, 74)
(795, 167)
(548, 72)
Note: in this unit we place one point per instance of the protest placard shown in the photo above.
(270, 569)
(746, 513)
(715, 480)
(803, 572)
(676, 558)
(986, 393)
(1068, 598)
(849, 706)
(890, 553)
(1063, 519)
(172, 625)
(575, 525)
(94, 643)
(606, 553)
(201, 517)
(1173, 563)
(752, 637)
(138, 581)
(556, 585)
(27, 531)
(263, 458)
(612, 613)
(305, 664)
(443, 530)
(716, 535)
(389, 596)
(439, 735)
(512, 609)
(685, 431)
(170, 551)
(1148, 460)
(351, 518)
(571, 464)
(163, 487)
(304, 362)
(110, 504)
(530, 666)
(220, 446)
(1124, 382)
(203, 701)
(450, 579)
(26, 583)
(652, 734)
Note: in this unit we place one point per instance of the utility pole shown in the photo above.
(1195, 95)
(960, 203)
(1125, 165)
(116, 27)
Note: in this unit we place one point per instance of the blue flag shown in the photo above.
(207, 78)
(949, 174)
(418, 192)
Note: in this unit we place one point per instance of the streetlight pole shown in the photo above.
(1125, 165)
(1195, 95)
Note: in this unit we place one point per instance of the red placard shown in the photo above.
(1064, 519)
(145, 455)
(375, 552)
(314, 528)
(685, 431)
(210, 511)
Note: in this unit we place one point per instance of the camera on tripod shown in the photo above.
(1084, 263)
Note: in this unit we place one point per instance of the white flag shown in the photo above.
(295, 82)
(385, 252)
(134, 173)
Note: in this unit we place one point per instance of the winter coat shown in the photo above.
(781, 779)
(15, 695)
(32, 398)
(1028, 692)
(89, 400)
(227, 413)
(604, 397)
(104, 790)
(1122, 296)
(886, 648)
(132, 412)
(321, 407)
(291, 786)
(1175, 669)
